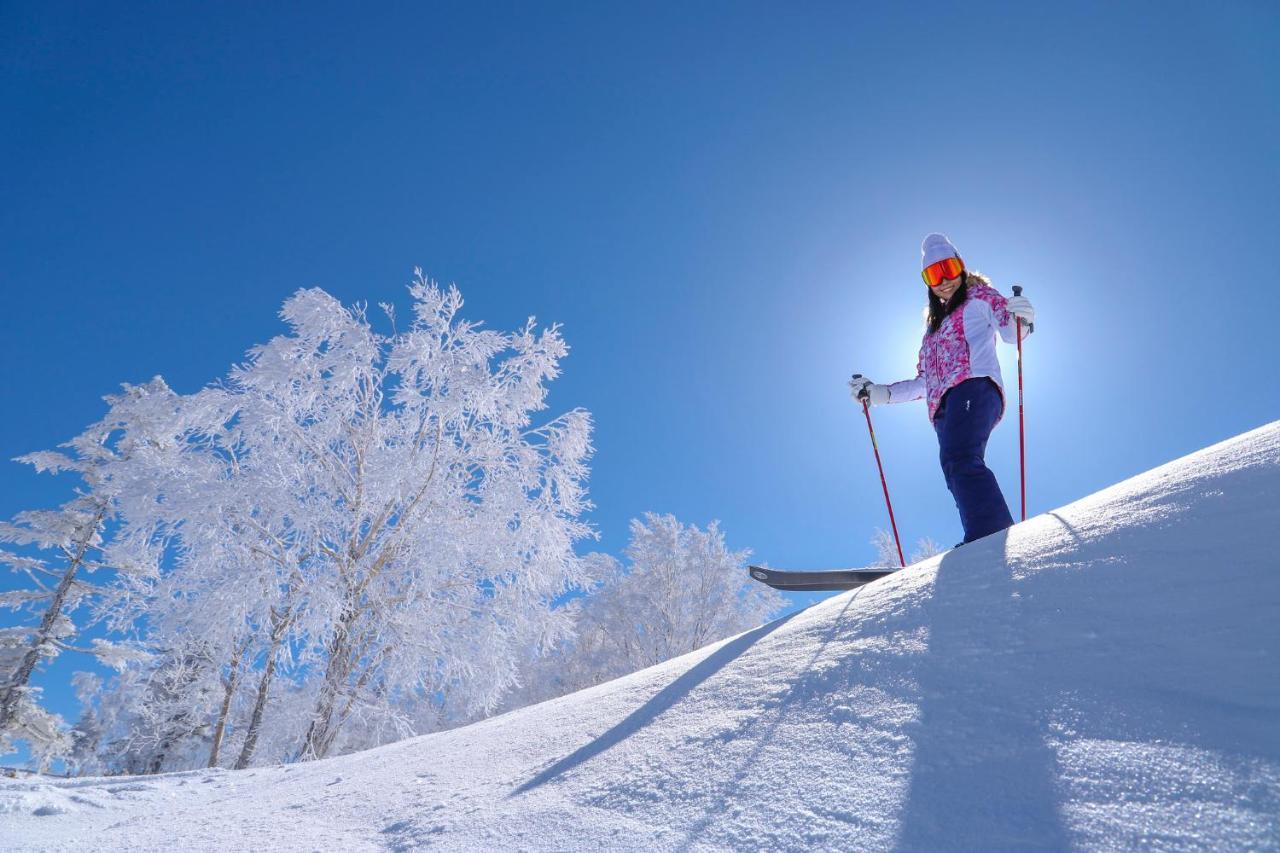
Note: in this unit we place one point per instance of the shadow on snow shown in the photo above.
(664, 699)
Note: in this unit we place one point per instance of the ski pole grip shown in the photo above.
(862, 395)
(1017, 291)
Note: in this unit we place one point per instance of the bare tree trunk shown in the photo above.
(255, 720)
(233, 678)
(321, 731)
(280, 623)
(352, 695)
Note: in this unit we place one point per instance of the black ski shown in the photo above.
(820, 581)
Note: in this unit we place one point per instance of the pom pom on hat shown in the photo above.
(936, 247)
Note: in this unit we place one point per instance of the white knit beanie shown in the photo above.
(936, 247)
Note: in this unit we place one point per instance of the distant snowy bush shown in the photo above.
(887, 550)
(682, 589)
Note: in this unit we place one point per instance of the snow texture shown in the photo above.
(1103, 676)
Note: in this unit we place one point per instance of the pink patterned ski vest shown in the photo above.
(963, 347)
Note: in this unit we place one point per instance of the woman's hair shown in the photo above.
(938, 310)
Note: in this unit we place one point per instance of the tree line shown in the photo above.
(353, 537)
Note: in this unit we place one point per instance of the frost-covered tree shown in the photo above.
(375, 518)
(887, 550)
(681, 589)
(156, 717)
(87, 734)
(925, 548)
(70, 543)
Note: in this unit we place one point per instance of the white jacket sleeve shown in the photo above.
(1006, 324)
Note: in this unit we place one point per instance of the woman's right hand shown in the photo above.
(860, 386)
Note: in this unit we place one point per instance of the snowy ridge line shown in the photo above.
(1101, 676)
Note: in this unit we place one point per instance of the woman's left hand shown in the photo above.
(1020, 307)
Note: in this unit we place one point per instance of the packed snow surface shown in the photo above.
(1103, 676)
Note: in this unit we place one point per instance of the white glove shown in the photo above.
(1020, 307)
(877, 395)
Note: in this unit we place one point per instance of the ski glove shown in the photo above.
(1020, 306)
(877, 395)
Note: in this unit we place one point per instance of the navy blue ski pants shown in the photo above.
(963, 423)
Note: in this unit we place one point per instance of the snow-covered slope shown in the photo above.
(1106, 675)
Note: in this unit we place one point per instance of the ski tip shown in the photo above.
(758, 573)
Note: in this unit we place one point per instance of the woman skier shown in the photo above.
(959, 377)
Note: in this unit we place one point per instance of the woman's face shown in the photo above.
(947, 288)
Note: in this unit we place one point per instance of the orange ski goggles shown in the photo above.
(935, 274)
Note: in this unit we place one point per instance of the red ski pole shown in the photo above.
(1022, 430)
(866, 410)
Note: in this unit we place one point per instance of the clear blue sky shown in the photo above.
(722, 203)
